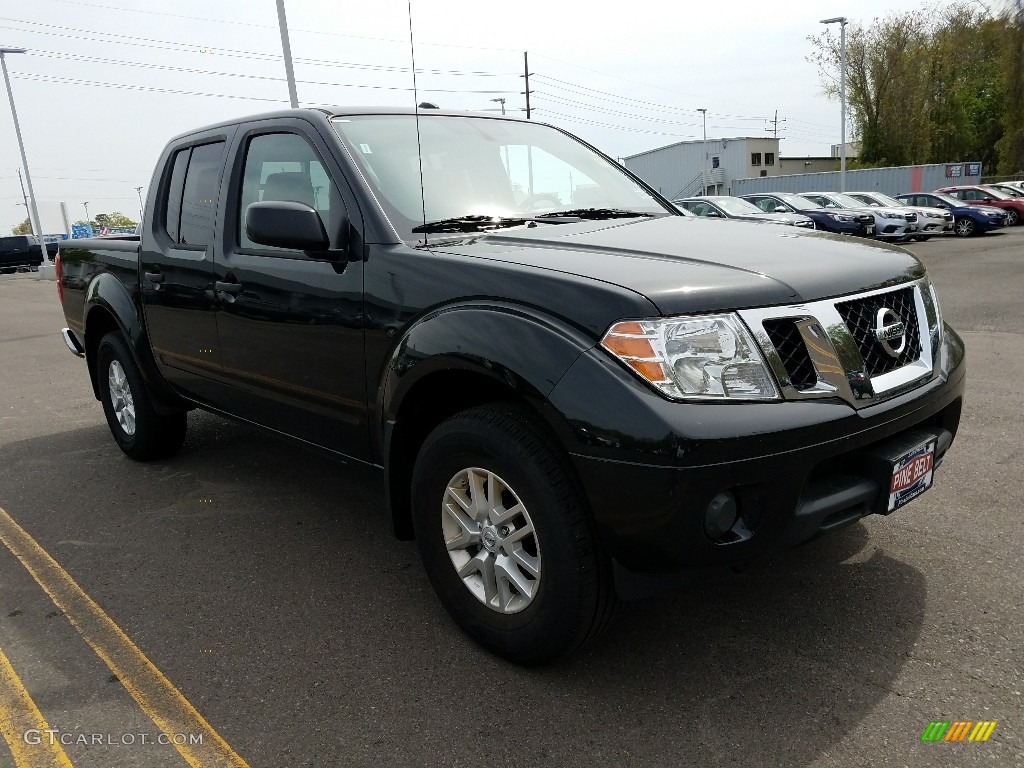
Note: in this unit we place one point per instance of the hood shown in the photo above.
(693, 265)
(937, 213)
(776, 218)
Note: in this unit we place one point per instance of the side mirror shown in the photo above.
(781, 209)
(713, 215)
(284, 224)
(988, 199)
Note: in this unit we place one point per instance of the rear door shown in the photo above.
(291, 323)
(176, 265)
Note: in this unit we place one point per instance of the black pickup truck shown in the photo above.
(570, 387)
(19, 253)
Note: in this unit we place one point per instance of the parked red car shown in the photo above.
(984, 195)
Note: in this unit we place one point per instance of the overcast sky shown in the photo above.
(625, 76)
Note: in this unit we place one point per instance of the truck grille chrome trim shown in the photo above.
(832, 348)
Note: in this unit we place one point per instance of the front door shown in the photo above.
(290, 323)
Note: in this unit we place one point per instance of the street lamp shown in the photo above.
(33, 209)
(502, 102)
(87, 219)
(841, 21)
(703, 164)
(141, 212)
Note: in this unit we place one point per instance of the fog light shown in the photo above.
(721, 515)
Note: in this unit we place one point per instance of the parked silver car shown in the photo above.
(728, 207)
(930, 221)
(893, 224)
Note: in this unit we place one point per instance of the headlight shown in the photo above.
(893, 215)
(841, 217)
(697, 357)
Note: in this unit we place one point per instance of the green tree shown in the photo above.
(25, 228)
(923, 86)
(1011, 145)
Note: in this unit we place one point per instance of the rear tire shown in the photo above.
(505, 538)
(139, 431)
(1012, 218)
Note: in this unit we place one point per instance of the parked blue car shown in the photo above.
(967, 219)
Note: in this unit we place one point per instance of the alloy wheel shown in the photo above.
(121, 397)
(491, 540)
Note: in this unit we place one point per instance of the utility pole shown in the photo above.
(141, 212)
(841, 21)
(704, 162)
(33, 209)
(24, 196)
(526, 77)
(775, 125)
(286, 46)
(87, 219)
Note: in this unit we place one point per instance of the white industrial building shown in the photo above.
(709, 167)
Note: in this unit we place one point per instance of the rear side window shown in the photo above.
(172, 217)
(198, 201)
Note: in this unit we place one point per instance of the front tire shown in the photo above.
(1012, 218)
(964, 227)
(505, 538)
(139, 431)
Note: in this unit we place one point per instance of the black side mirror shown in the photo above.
(284, 224)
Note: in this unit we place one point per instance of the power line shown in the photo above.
(144, 65)
(234, 22)
(149, 42)
(130, 87)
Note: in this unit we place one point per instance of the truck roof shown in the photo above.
(327, 112)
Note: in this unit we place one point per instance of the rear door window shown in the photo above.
(199, 199)
(172, 214)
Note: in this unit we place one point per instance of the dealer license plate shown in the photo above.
(912, 475)
(870, 229)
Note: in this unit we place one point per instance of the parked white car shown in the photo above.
(930, 221)
(892, 224)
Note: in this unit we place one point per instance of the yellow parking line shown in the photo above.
(19, 716)
(154, 693)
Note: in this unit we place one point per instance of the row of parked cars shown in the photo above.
(962, 210)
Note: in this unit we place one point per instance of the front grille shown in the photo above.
(791, 348)
(860, 315)
(911, 217)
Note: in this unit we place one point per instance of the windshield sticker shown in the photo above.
(365, 149)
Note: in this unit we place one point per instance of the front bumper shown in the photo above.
(650, 468)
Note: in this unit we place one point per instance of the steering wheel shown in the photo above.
(540, 202)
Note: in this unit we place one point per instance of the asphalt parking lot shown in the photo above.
(264, 583)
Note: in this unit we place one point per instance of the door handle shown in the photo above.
(154, 277)
(232, 288)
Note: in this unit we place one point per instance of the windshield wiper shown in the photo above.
(470, 224)
(595, 213)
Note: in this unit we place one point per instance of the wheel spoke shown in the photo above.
(482, 564)
(477, 495)
(527, 562)
(516, 536)
(469, 530)
(501, 515)
(508, 571)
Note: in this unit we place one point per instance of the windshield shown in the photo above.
(737, 207)
(886, 200)
(799, 202)
(998, 194)
(845, 200)
(477, 166)
(948, 199)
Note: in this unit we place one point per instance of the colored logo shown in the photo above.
(958, 730)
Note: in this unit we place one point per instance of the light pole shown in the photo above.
(141, 212)
(502, 102)
(286, 48)
(704, 162)
(841, 21)
(33, 209)
(87, 219)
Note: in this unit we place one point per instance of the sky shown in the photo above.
(106, 83)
